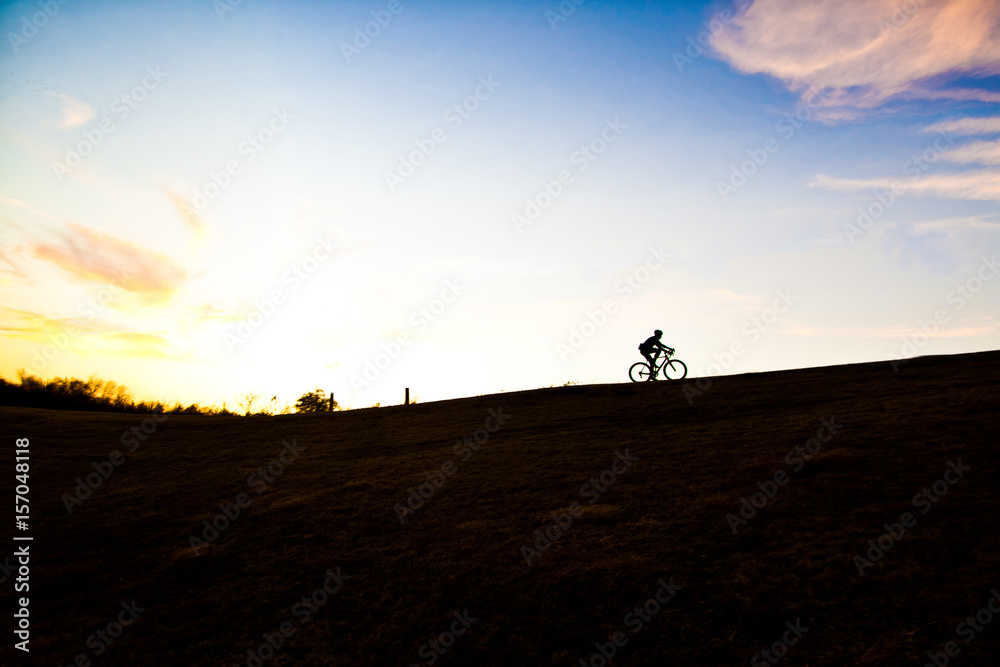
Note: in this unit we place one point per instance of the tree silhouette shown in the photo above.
(314, 401)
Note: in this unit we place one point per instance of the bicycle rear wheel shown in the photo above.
(675, 369)
(639, 372)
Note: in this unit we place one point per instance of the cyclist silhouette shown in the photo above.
(651, 348)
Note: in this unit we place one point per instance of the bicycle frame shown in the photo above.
(661, 360)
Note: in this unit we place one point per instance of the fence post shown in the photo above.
(331, 402)
(407, 402)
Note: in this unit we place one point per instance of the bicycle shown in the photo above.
(673, 369)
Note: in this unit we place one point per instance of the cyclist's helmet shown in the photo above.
(657, 333)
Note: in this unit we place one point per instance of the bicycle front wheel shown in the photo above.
(675, 369)
(639, 372)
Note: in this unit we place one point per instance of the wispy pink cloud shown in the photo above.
(188, 213)
(864, 53)
(978, 184)
(976, 222)
(983, 184)
(93, 256)
(977, 152)
(74, 112)
(967, 126)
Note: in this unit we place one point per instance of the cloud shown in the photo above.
(893, 331)
(74, 112)
(979, 152)
(90, 255)
(21, 204)
(188, 213)
(983, 184)
(864, 53)
(975, 184)
(975, 222)
(19, 323)
(967, 126)
(135, 344)
(11, 271)
(210, 313)
(83, 335)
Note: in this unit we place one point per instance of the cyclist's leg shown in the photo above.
(651, 359)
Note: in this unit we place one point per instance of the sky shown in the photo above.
(203, 199)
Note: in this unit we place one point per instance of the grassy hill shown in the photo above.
(639, 488)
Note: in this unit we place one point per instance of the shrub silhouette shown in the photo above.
(91, 394)
(71, 394)
(95, 394)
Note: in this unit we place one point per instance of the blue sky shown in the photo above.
(245, 218)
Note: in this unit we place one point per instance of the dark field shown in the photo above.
(661, 515)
